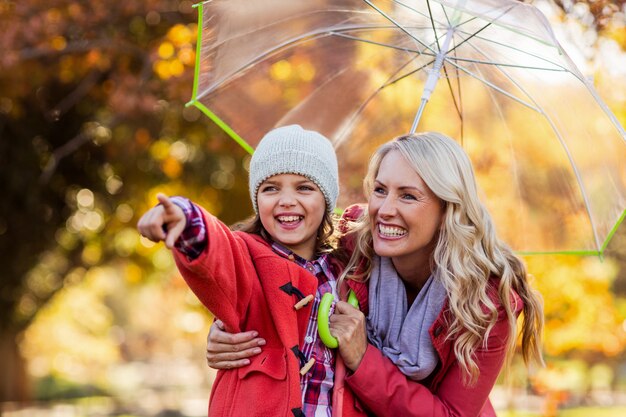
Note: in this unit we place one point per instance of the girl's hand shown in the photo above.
(151, 224)
(347, 324)
(227, 350)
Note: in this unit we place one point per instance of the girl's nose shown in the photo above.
(287, 200)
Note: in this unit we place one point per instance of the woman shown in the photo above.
(444, 292)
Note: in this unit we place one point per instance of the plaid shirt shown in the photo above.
(317, 384)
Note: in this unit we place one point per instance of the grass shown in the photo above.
(573, 412)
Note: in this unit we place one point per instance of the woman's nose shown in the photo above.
(387, 208)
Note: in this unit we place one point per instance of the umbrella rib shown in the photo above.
(571, 161)
(409, 7)
(459, 29)
(424, 15)
(329, 80)
(338, 9)
(472, 35)
(539, 109)
(393, 81)
(399, 26)
(562, 68)
(501, 64)
(494, 21)
(386, 45)
(371, 96)
(312, 12)
(314, 36)
(514, 165)
(405, 49)
(312, 32)
(459, 105)
(305, 37)
(475, 34)
(495, 87)
(452, 49)
(579, 181)
(260, 57)
(513, 81)
(388, 83)
(471, 75)
(432, 23)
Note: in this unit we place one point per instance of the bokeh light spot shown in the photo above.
(85, 199)
(166, 50)
(281, 70)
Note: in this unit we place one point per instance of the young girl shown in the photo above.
(269, 277)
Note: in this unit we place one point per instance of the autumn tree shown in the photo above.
(92, 117)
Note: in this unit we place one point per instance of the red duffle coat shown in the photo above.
(242, 281)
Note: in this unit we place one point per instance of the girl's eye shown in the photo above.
(306, 188)
(268, 188)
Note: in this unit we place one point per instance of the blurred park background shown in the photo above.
(95, 320)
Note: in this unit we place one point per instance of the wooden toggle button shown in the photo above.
(307, 366)
(306, 300)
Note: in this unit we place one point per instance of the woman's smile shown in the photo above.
(388, 231)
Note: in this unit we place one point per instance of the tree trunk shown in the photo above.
(14, 383)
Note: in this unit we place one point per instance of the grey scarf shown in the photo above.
(403, 335)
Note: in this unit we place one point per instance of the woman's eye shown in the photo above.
(379, 190)
(409, 197)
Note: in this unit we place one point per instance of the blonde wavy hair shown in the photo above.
(468, 252)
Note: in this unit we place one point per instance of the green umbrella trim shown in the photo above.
(245, 145)
(612, 232)
(223, 125)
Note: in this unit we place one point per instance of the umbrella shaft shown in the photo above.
(418, 116)
(433, 77)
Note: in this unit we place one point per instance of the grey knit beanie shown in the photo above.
(294, 150)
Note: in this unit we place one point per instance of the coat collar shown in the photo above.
(279, 302)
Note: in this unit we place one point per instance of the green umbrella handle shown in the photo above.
(352, 300)
(322, 317)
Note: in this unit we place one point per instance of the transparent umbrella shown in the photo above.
(549, 155)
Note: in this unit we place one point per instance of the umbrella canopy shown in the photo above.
(549, 156)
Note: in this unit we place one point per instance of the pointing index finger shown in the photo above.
(164, 200)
